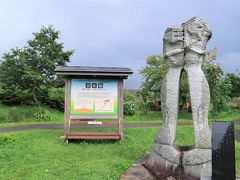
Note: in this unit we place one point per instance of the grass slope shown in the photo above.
(25, 114)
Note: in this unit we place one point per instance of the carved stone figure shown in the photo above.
(196, 36)
(173, 52)
(184, 49)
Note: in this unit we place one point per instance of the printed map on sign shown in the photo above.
(104, 105)
(89, 96)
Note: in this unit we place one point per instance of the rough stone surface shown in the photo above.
(199, 171)
(138, 171)
(196, 36)
(184, 49)
(173, 51)
(170, 153)
(196, 156)
(160, 167)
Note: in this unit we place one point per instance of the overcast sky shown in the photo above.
(120, 32)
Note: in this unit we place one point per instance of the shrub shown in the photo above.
(128, 107)
(15, 96)
(235, 103)
(56, 98)
(42, 116)
(6, 139)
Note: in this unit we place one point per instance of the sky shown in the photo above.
(120, 33)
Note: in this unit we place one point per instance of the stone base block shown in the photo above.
(161, 168)
(193, 164)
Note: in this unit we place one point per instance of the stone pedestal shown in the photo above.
(171, 163)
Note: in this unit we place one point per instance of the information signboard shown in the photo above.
(94, 96)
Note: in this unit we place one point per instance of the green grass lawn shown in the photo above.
(41, 154)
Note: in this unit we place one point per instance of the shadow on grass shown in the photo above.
(93, 141)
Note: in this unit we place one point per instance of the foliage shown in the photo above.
(235, 81)
(153, 74)
(15, 96)
(129, 106)
(27, 73)
(42, 116)
(235, 102)
(220, 97)
(25, 114)
(56, 98)
(6, 139)
(220, 86)
(184, 89)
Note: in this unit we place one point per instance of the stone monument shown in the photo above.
(184, 48)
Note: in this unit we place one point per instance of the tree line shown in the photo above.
(27, 77)
(224, 88)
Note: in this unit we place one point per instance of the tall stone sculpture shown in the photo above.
(184, 49)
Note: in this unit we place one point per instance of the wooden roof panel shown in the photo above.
(93, 71)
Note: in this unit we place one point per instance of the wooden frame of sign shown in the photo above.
(82, 85)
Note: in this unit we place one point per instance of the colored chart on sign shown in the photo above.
(91, 96)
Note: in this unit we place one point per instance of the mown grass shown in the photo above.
(41, 154)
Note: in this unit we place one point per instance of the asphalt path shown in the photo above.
(60, 126)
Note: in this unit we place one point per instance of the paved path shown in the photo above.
(60, 126)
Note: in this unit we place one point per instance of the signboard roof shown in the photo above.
(93, 71)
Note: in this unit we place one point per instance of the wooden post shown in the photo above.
(67, 105)
(120, 107)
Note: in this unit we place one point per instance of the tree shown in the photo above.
(220, 86)
(235, 81)
(153, 74)
(27, 73)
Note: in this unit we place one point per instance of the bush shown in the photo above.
(56, 98)
(15, 96)
(235, 103)
(128, 107)
(6, 139)
(42, 116)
